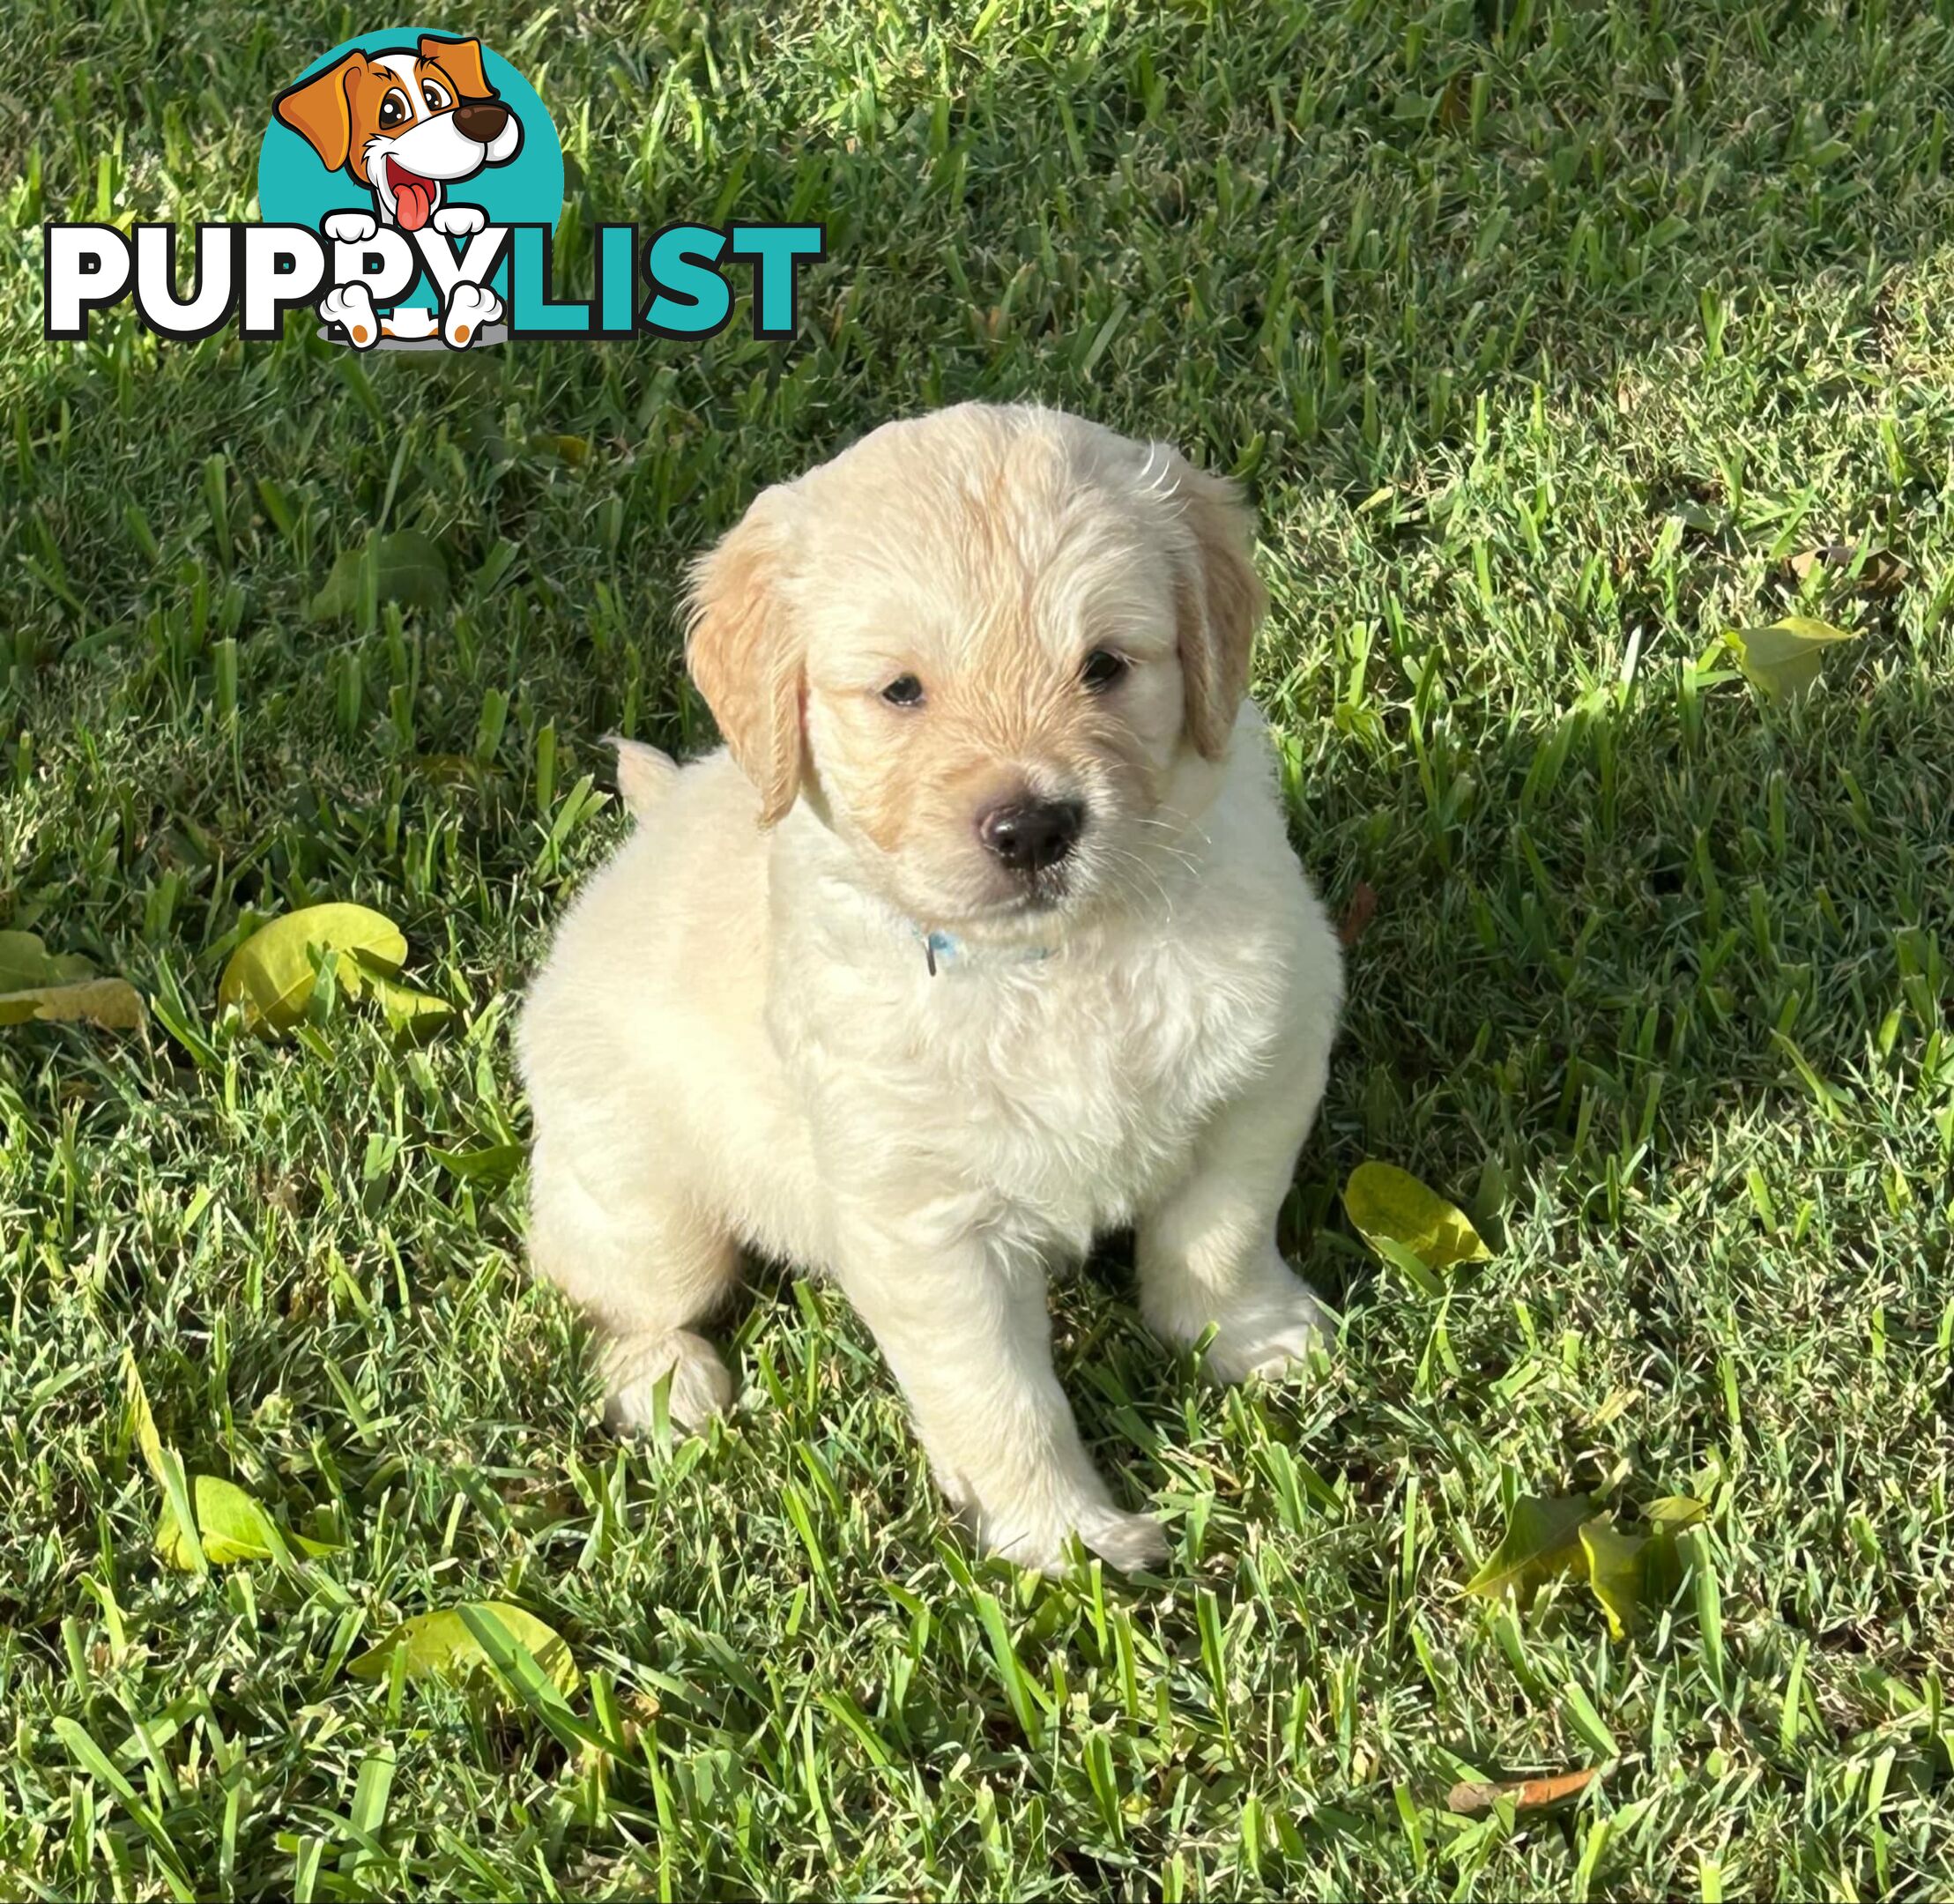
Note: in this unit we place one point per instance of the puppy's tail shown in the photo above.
(645, 774)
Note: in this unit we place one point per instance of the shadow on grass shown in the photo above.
(1666, 1012)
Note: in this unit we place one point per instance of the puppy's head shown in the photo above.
(998, 649)
(406, 124)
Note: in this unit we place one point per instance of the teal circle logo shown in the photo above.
(401, 141)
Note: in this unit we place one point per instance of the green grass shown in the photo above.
(1545, 334)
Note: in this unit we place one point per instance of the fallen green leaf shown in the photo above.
(26, 963)
(409, 567)
(1543, 1538)
(164, 1462)
(518, 1674)
(1615, 1563)
(1409, 1265)
(112, 1003)
(1782, 660)
(494, 1160)
(1662, 1567)
(1387, 1203)
(147, 1440)
(272, 973)
(230, 1521)
(573, 451)
(1631, 1571)
(233, 1525)
(439, 1646)
(406, 1010)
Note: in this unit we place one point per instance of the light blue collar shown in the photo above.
(945, 948)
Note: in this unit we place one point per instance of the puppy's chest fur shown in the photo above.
(1053, 1099)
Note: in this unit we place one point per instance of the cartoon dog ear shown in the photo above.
(744, 654)
(461, 60)
(1218, 597)
(320, 111)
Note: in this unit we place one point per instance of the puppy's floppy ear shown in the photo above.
(743, 652)
(1218, 597)
(320, 111)
(462, 61)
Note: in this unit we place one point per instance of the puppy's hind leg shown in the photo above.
(644, 1265)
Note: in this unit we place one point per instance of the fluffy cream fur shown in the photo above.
(738, 1041)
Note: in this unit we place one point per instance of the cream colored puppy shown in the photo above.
(981, 936)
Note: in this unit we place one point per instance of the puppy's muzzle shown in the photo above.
(481, 120)
(1029, 837)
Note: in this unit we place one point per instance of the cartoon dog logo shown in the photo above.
(407, 124)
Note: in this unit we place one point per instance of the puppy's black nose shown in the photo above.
(481, 120)
(1029, 834)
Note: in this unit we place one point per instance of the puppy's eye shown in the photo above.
(436, 96)
(1102, 668)
(904, 691)
(393, 109)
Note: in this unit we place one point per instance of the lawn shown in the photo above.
(1548, 337)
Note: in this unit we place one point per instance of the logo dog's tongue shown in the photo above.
(413, 200)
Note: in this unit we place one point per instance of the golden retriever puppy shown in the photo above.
(981, 935)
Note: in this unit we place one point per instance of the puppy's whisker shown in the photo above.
(1173, 847)
(1181, 827)
(1129, 869)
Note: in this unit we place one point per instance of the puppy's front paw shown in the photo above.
(1271, 1337)
(1130, 1542)
(459, 220)
(1266, 1332)
(702, 1386)
(349, 228)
